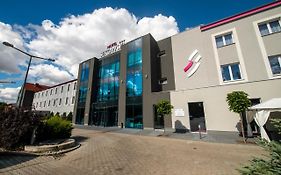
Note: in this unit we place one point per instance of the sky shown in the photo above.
(72, 31)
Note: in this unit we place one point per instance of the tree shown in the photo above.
(164, 108)
(238, 102)
(271, 165)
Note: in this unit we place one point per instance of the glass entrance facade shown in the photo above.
(83, 89)
(105, 106)
(134, 86)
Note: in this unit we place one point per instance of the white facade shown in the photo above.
(59, 98)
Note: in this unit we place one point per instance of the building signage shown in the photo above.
(114, 47)
(179, 112)
(193, 63)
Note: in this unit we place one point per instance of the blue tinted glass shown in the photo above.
(275, 26)
(219, 41)
(225, 73)
(263, 29)
(275, 65)
(236, 71)
(228, 39)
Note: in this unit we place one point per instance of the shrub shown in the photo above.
(54, 128)
(271, 165)
(16, 127)
(69, 117)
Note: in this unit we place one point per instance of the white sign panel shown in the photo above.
(179, 112)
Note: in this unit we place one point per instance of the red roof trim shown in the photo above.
(62, 83)
(241, 15)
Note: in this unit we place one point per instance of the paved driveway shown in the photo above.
(114, 153)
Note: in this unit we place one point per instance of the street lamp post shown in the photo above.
(29, 62)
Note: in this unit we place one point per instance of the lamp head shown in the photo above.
(8, 44)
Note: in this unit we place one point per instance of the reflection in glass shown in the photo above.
(134, 85)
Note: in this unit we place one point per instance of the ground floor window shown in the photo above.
(134, 117)
(80, 116)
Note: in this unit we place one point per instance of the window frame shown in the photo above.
(231, 72)
(279, 60)
(267, 23)
(223, 39)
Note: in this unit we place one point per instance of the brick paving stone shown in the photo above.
(106, 153)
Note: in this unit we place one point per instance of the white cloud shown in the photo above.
(46, 74)
(77, 38)
(73, 40)
(10, 59)
(9, 95)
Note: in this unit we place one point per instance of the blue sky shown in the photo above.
(72, 31)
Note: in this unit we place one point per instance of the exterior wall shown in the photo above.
(217, 115)
(43, 99)
(206, 85)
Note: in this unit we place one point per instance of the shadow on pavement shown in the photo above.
(11, 159)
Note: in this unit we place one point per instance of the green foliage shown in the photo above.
(164, 108)
(16, 127)
(238, 101)
(2, 106)
(54, 128)
(272, 164)
(69, 117)
(277, 124)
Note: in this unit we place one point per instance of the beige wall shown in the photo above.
(206, 84)
(217, 115)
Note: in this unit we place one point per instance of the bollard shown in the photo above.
(199, 131)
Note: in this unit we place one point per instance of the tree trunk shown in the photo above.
(242, 128)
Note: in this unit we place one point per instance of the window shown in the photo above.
(73, 99)
(56, 91)
(224, 40)
(61, 89)
(54, 102)
(49, 103)
(68, 87)
(231, 72)
(66, 100)
(51, 92)
(42, 94)
(269, 27)
(44, 103)
(36, 104)
(161, 53)
(275, 64)
(60, 102)
(40, 104)
(38, 95)
(163, 81)
(46, 93)
(74, 87)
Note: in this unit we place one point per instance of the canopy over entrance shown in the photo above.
(262, 112)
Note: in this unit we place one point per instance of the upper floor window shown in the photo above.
(74, 86)
(60, 102)
(66, 100)
(51, 92)
(68, 87)
(163, 81)
(46, 93)
(39, 95)
(275, 64)
(73, 99)
(224, 40)
(56, 91)
(61, 89)
(161, 53)
(270, 27)
(42, 93)
(231, 72)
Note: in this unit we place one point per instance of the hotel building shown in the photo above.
(194, 70)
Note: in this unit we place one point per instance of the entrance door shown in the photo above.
(196, 116)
